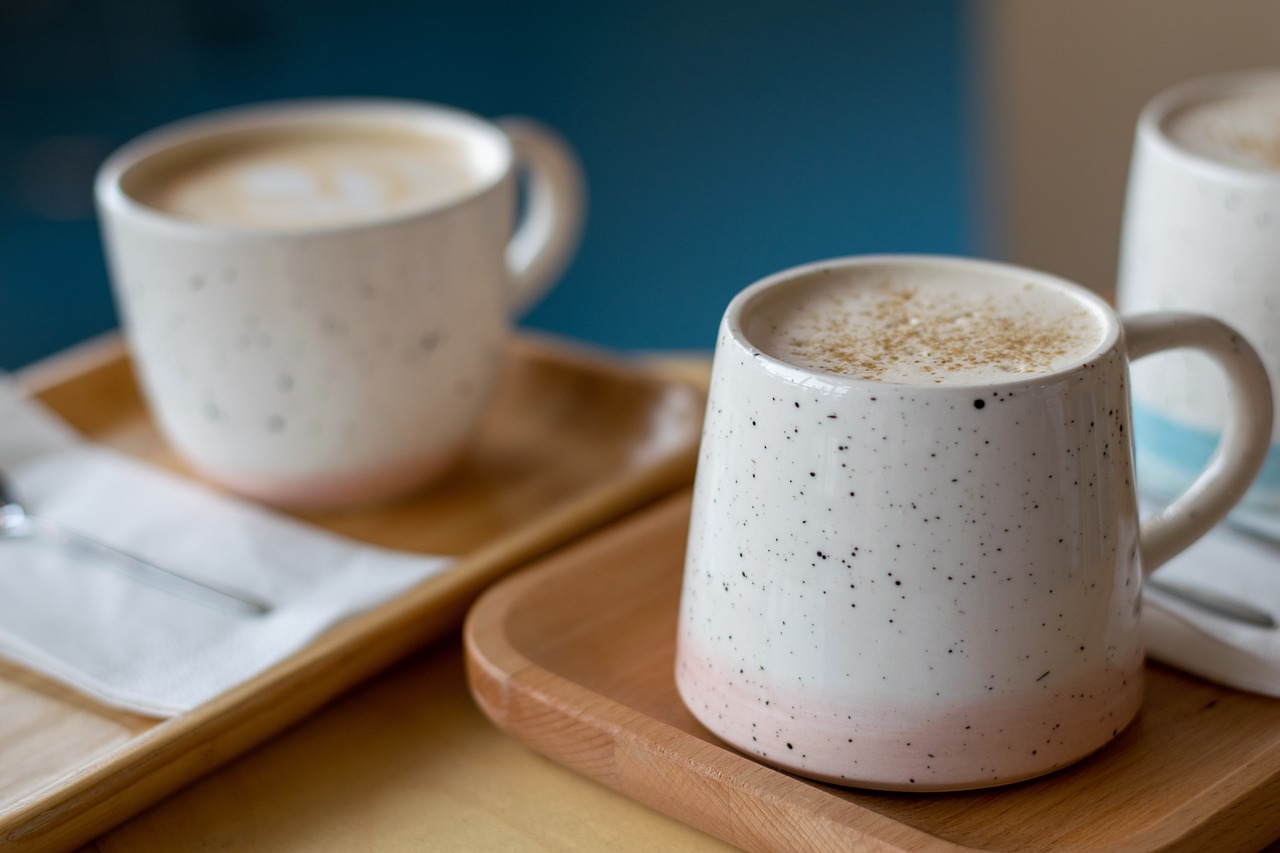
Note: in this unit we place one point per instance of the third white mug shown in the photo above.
(1202, 233)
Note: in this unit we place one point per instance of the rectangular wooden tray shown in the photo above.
(576, 439)
(574, 656)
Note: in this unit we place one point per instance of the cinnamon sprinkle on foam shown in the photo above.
(939, 335)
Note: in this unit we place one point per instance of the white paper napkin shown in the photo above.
(140, 648)
(1243, 565)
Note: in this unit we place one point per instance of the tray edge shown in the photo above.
(507, 685)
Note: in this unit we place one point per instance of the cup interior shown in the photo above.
(920, 320)
(472, 154)
(1226, 121)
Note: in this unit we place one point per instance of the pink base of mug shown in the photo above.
(914, 747)
(333, 491)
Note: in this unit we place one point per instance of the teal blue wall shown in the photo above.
(722, 140)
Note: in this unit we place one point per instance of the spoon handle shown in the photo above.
(134, 567)
(1216, 603)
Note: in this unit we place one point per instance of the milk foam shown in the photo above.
(1242, 130)
(298, 181)
(924, 326)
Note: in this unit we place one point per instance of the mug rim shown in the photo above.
(735, 314)
(497, 156)
(1157, 111)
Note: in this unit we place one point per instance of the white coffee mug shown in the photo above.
(932, 582)
(1202, 234)
(317, 294)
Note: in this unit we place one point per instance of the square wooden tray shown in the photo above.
(576, 439)
(574, 656)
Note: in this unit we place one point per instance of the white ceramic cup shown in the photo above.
(331, 365)
(933, 587)
(1202, 234)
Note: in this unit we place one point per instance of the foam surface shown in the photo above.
(301, 181)
(1242, 131)
(925, 326)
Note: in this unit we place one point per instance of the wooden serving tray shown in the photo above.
(574, 656)
(576, 439)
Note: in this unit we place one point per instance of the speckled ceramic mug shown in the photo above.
(934, 585)
(1202, 233)
(333, 336)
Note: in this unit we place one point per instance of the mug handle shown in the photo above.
(555, 203)
(1245, 440)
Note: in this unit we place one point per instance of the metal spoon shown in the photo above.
(17, 523)
(1211, 601)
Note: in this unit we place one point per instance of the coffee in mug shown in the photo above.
(298, 179)
(318, 294)
(915, 560)
(933, 327)
(1240, 129)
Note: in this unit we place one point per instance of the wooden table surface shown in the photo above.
(404, 762)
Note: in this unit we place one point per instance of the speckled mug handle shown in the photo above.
(554, 207)
(1245, 440)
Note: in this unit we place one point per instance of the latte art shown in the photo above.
(304, 180)
(925, 327)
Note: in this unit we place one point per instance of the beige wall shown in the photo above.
(1061, 84)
